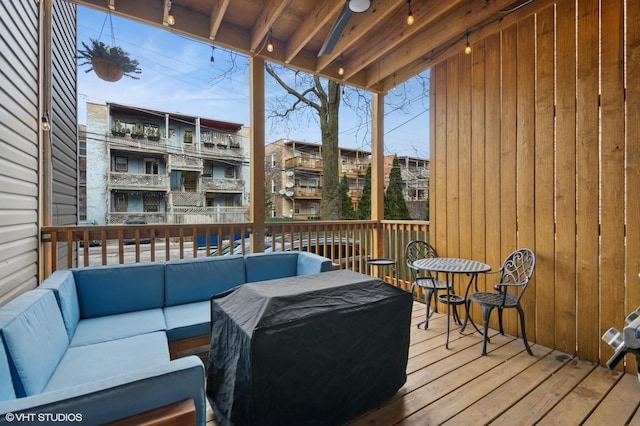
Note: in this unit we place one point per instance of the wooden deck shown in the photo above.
(507, 386)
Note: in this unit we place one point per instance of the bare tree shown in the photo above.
(310, 97)
(323, 97)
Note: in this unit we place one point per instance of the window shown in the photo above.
(273, 186)
(188, 136)
(314, 208)
(205, 137)
(314, 182)
(207, 169)
(297, 208)
(151, 129)
(151, 167)
(229, 200)
(273, 160)
(121, 202)
(122, 164)
(150, 202)
(229, 172)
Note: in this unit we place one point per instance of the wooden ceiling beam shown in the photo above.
(312, 23)
(271, 11)
(448, 30)
(218, 10)
(359, 26)
(397, 32)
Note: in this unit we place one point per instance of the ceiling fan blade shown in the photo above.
(336, 30)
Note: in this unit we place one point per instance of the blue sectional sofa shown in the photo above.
(95, 341)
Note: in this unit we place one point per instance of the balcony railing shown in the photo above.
(222, 185)
(127, 143)
(182, 162)
(134, 181)
(368, 239)
(117, 218)
(186, 199)
(306, 163)
(354, 169)
(300, 192)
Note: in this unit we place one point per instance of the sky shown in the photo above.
(179, 77)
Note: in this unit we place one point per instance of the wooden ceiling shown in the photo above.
(377, 49)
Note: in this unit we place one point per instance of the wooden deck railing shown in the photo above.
(347, 243)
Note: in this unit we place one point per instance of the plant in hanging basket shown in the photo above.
(109, 63)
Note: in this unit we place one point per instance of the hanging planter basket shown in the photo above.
(106, 70)
(109, 63)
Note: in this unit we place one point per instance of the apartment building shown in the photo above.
(294, 178)
(164, 167)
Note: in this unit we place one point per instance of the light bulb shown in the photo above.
(270, 47)
(341, 70)
(171, 20)
(467, 49)
(45, 123)
(410, 18)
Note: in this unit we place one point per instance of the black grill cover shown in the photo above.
(316, 349)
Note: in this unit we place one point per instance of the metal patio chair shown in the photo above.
(515, 275)
(426, 280)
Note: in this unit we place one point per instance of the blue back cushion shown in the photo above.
(6, 384)
(111, 290)
(35, 339)
(64, 286)
(311, 263)
(269, 266)
(196, 280)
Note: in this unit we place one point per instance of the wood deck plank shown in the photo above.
(620, 403)
(543, 398)
(576, 406)
(512, 380)
(507, 386)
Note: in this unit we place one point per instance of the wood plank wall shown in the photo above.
(535, 143)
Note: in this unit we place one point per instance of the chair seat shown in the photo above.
(494, 299)
(430, 283)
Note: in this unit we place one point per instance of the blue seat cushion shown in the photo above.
(35, 339)
(84, 364)
(195, 280)
(116, 289)
(6, 384)
(270, 266)
(120, 326)
(64, 286)
(188, 320)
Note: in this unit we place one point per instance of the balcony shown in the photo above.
(127, 143)
(304, 163)
(210, 184)
(137, 182)
(186, 199)
(455, 385)
(354, 169)
(221, 151)
(307, 192)
(182, 162)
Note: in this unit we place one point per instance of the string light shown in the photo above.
(270, 42)
(45, 121)
(170, 19)
(467, 47)
(410, 18)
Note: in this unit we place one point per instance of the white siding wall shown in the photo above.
(18, 147)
